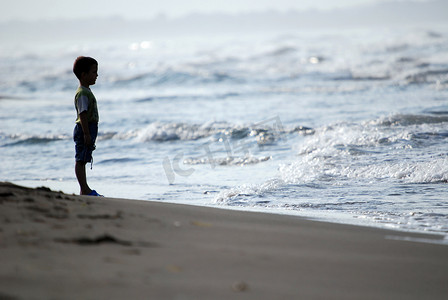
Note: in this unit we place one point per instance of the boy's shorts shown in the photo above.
(83, 153)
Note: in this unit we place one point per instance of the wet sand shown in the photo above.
(58, 246)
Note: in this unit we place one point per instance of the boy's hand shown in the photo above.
(85, 128)
(87, 140)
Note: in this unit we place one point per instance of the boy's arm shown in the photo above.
(85, 128)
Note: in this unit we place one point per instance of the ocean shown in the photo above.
(343, 126)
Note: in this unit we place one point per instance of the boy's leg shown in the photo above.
(80, 171)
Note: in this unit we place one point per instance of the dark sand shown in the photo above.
(58, 246)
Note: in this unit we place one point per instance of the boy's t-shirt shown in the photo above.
(85, 101)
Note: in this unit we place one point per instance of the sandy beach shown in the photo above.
(59, 246)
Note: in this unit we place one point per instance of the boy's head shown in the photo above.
(83, 64)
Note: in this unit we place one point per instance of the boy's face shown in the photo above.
(91, 76)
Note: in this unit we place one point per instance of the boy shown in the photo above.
(86, 129)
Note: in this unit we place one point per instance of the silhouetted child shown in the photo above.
(86, 129)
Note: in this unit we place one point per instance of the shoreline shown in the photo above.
(79, 247)
(344, 219)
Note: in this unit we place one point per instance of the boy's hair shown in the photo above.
(83, 64)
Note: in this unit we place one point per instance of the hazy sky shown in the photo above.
(144, 9)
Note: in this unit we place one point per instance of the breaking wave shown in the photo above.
(26, 139)
(404, 148)
(263, 134)
(227, 161)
